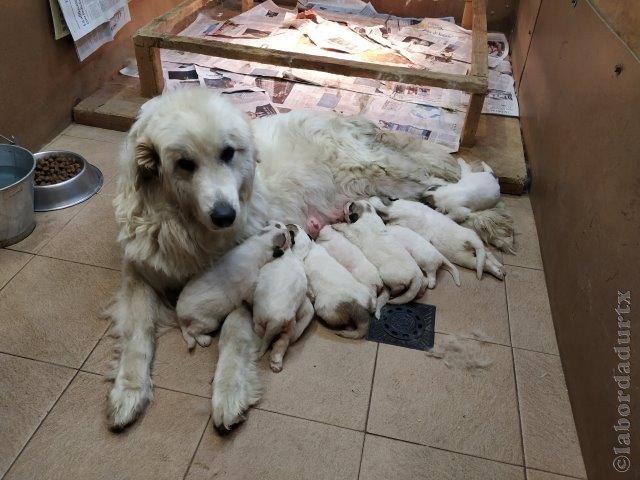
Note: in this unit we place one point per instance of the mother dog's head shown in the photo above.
(194, 150)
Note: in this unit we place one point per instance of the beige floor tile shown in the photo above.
(103, 155)
(419, 398)
(48, 225)
(325, 378)
(10, 263)
(526, 238)
(50, 310)
(529, 310)
(549, 434)
(94, 133)
(73, 441)
(90, 237)
(476, 309)
(270, 446)
(29, 389)
(174, 367)
(384, 459)
(538, 475)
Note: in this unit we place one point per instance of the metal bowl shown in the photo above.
(70, 192)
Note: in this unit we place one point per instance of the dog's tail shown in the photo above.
(236, 384)
(359, 317)
(382, 300)
(494, 226)
(411, 292)
(452, 269)
(477, 246)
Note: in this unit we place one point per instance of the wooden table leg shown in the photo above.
(149, 71)
(471, 120)
(467, 15)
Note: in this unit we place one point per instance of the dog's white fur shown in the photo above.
(460, 245)
(338, 298)
(428, 258)
(209, 297)
(281, 308)
(397, 268)
(236, 383)
(473, 192)
(311, 164)
(352, 258)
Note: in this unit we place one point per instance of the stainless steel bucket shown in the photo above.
(17, 218)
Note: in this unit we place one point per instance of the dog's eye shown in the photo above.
(227, 153)
(186, 164)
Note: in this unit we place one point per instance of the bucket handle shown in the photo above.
(10, 140)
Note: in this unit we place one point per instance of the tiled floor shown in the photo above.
(340, 409)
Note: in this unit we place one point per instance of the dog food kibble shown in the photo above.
(56, 169)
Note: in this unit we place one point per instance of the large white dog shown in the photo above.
(197, 177)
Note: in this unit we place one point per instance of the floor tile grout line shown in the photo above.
(540, 269)
(515, 381)
(366, 422)
(447, 450)
(307, 419)
(78, 263)
(38, 360)
(64, 134)
(555, 473)
(19, 270)
(195, 450)
(26, 444)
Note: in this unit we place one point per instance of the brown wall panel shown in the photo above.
(581, 127)
(42, 78)
(522, 33)
(624, 18)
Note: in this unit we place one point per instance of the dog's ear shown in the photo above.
(147, 163)
(279, 244)
(429, 200)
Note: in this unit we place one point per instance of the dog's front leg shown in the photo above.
(135, 311)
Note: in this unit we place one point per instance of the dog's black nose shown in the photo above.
(222, 214)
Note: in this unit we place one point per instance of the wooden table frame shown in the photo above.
(159, 34)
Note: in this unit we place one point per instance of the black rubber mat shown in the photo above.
(410, 325)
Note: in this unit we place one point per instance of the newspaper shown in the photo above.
(501, 98)
(84, 16)
(498, 48)
(438, 97)
(431, 123)
(333, 36)
(60, 28)
(263, 19)
(103, 34)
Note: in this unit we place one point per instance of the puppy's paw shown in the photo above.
(276, 366)
(189, 339)
(124, 405)
(203, 340)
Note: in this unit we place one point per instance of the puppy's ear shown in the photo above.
(429, 200)
(147, 163)
(279, 244)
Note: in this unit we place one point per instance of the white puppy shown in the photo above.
(338, 298)
(397, 268)
(460, 245)
(352, 258)
(280, 305)
(207, 299)
(428, 258)
(236, 383)
(474, 191)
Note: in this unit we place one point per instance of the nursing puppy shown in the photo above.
(397, 268)
(460, 245)
(474, 191)
(207, 299)
(338, 298)
(428, 258)
(236, 383)
(352, 258)
(281, 309)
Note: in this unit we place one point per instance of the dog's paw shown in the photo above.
(226, 413)
(276, 366)
(204, 340)
(124, 405)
